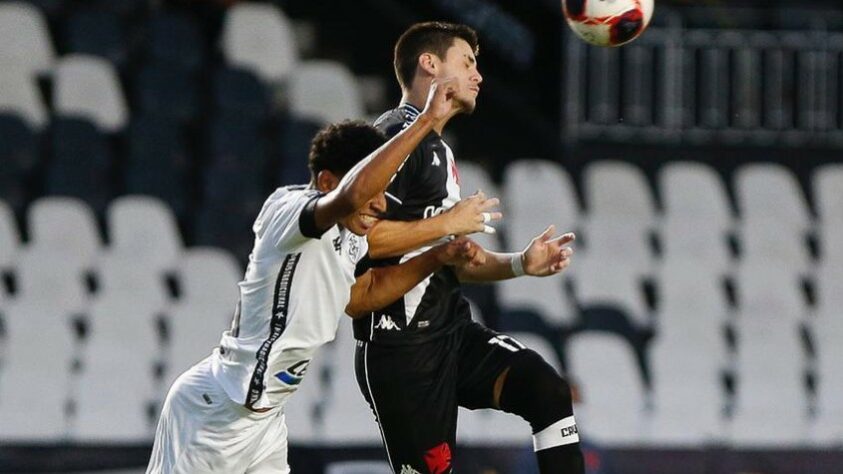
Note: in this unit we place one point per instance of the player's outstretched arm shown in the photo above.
(372, 175)
(382, 286)
(470, 215)
(544, 256)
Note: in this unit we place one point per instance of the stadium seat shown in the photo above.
(831, 243)
(88, 87)
(770, 289)
(157, 163)
(25, 39)
(621, 213)
(166, 91)
(770, 382)
(259, 38)
(81, 162)
(37, 366)
(827, 332)
(52, 277)
(486, 427)
(827, 182)
(175, 40)
(690, 239)
(240, 92)
(688, 356)
(529, 182)
(194, 329)
(10, 239)
(345, 401)
(304, 412)
(473, 177)
(131, 278)
(358, 467)
(210, 276)
(769, 191)
(542, 345)
(19, 153)
(144, 229)
(618, 189)
(64, 224)
(19, 96)
(115, 384)
(765, 239)
(325, 91)
(602, 282)
(96, 33)
(613, 407)
(694, 190)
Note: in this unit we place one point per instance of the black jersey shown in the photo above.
(426, 185)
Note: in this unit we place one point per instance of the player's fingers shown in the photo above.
(479, 194)
(489, 204)
(565, 238)
(548, 233)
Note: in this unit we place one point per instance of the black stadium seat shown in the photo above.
(98, 33)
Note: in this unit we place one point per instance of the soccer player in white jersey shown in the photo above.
(225, 414)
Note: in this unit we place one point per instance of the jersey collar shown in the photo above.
(410, 110)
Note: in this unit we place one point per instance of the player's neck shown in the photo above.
(417, 99)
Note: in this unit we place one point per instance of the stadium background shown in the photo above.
(700, 167)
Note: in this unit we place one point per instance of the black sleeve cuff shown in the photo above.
(307, 220)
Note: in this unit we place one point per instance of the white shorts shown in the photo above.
(202, 431)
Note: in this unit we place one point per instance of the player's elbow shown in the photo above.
(354, 311)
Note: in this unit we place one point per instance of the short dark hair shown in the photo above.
(338, 147)
(429, 37)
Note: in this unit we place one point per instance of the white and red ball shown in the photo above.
(608, 22)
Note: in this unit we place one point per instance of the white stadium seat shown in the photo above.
(827, 184)
(25, 38)
(88, 87)
(64, 224)
(473, 177)
(325, 91)
(605, 282)
(766, 288)
(144, 228)
(766, 240)
(614, 188)
(19, 95)
(52, 277)
(358, 467)
(690, 239)
(259, 37)
(771, 191)
(694, 191)
(692, 301)
(209, 276)
(10, 240)
(612, 409)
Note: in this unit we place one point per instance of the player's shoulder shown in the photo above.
(289, 194)
(283, 202)
(393, 121)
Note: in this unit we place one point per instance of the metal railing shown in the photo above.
(707, 86)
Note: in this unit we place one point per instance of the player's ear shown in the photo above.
(326, 181)
(427, 63)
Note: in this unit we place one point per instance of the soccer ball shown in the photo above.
(608, 22)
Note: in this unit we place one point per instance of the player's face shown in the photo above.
(461, 63)
(362, 221)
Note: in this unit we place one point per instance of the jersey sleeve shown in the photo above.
(290, 221)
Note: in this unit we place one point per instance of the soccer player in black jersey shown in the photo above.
(422, 357)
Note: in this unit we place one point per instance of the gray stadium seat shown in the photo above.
(694, 190)
(193, 330)
(64, 224)
(88, 87)
(19, 95)
(529, 182)
(259, 38)
(209, 276)
(10, 239)
(358, 467)
(143, 228)
(612, 411)
(618, 189)
(768, 191)
(25, 38)
(53, 277)
(325, 91)
(827, 182)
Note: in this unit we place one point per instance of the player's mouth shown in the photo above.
(368, 221)
(476, 90)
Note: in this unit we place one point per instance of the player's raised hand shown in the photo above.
(440, 98)
(547, 255)
(462, 252)
(472, 214)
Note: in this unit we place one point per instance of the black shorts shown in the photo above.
(415, 391)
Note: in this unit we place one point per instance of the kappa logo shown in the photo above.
(407, 469)
(436, 160)
(438, 459)
(386, 323)
(294, 374)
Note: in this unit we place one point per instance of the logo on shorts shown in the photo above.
(294, 374)
(407, 469)
(386, 323)
(438, 459)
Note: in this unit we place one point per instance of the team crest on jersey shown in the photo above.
(294, 374)
(353, 247)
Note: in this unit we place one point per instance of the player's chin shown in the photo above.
(467, 105)
(362, 224)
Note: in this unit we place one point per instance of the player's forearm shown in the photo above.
(497, 267)
(393, 238)
(373, 174)
(380, 287)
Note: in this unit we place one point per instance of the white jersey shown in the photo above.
(296, 288)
